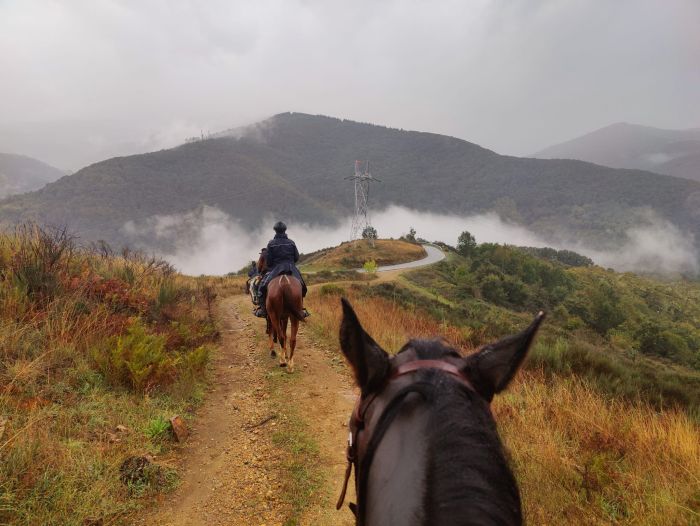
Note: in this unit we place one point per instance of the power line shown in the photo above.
(362, 180)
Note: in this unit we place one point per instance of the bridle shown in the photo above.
(361, 436)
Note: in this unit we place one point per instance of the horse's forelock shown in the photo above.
(431, 349)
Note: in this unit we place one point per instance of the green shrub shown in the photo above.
(137, 360)
(491, 290)
(370, 267)
(157, 429)
(195, 361)
(331, 289)
(653, 339)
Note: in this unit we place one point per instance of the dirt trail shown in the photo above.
(230, 469)
(232, 473)
(234, 470)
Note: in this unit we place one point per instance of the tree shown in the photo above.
(369, 233)
(466, 244)
(604, 309)
(411, 236)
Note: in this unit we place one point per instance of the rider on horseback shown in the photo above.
(282, 254)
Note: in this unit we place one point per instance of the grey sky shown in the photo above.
(83, 80)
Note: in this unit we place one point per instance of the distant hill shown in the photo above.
(20, 174)
(622, 145)
(292, 166)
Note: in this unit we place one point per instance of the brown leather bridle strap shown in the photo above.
(447, 367)
(361, 405)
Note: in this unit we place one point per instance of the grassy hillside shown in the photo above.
(630, 336)
(97, 352)
(354, 254)
(582, 453)
(19, 174)
(293, 167)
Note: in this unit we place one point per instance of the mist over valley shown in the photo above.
(208, 241)
(294, 166)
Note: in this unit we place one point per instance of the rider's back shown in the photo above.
(281, 250)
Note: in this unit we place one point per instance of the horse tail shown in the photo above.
(288, 301)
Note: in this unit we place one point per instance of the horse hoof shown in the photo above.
(273, 354)
(283, 365)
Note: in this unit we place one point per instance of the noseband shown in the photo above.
(357, 420)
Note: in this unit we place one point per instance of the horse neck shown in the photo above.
(441, 462)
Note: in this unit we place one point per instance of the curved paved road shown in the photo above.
(434, 254)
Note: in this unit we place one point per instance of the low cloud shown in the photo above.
(658, 246)
(208, 241)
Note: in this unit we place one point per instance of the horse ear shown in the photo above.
(493, 367)
(369, 361)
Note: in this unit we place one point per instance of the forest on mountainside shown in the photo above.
(294, 165)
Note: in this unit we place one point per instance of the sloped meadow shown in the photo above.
(97, 351)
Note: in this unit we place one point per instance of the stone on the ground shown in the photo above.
(179, 428)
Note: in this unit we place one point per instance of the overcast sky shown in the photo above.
(84, 80)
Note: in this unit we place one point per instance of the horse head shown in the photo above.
(423, 441)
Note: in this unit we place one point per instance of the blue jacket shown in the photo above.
(282, 254)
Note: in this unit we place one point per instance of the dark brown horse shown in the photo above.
(423, 441)
(284, 305)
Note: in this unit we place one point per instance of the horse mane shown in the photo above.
(468, 480)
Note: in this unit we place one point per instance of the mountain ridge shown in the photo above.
(293, 166)
(634, 146)
(20, 174)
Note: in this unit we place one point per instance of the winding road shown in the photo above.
(434, 254)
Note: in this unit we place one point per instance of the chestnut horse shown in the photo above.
(423, 440)
(284, 306)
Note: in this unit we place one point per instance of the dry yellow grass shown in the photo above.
(579, 458)
(72, 408)
(352, 255)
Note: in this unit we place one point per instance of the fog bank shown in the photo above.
(209, 241)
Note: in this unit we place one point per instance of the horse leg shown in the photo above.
(293, 343)
(282, 337)
(272, 347)
(270, 337)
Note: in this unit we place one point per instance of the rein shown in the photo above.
(357, 420)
